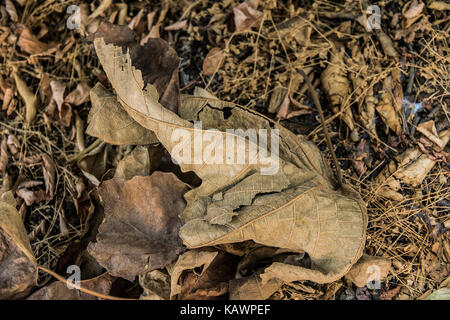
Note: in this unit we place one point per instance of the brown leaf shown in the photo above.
(28, 43)
(364, 270)
(179, 25)
(18, 270)
(140, 230)
(439, 5)
(136, 163)
(78, 96)
(13, 144)
(213, 61)
(156, 285)
(59, 290)
(162, 73)
(49, 170)
(93, 165)
(246, 16)
(11, 10)
(413, 9)
(284, 219)
(4, 157)
(212, 282)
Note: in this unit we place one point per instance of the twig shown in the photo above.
(82, 153)
(325, 130)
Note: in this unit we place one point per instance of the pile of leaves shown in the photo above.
(91, 174)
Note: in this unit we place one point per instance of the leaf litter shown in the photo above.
(93, 129)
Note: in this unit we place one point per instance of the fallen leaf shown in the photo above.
(78, 96)
(136, 163)
(49, 170)
(213, 61)
(28, 43)
(413, 9)
(4, 157)
(60, 291)
(140, 230)
(29, 98)
(272, 219)
(18, 269)
(439, 5)
(156, 285)
(390, 294)
(13, 144)
(109, 122)
(440, 294)
(179, 25)
(93, 165)
(9, 5)
(246, 16)
(368, 269)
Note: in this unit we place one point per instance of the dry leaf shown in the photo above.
(78, 96)
(386, 44)
(18, 269)
(29, 196)
(443, 293)
(59, 290)
(246, 16)
(211, 283)
(179, 25)
(11, 10)
(93, 165)
(369, 268)
(136, 163)
(4, 158)
(156, 285)
(49, 170)
(413, 9)
(334, 244)
(213, 61)
(439, 5)
(251, 288)
(140, 230)
(387, 107)
(337, 86)
(29, 99)
(28, 43)
(109, 122)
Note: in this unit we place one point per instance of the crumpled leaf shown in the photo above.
(49, 170)
(387, 106)
(28, 43)
(439, 5)
(337, 86)
(140, 230)
(209, 283)
(410, 167)
(59, 290)
(93, 165)
(286, 219)
(156, 285)
(29, 99)
(78, 96)
(136, 163)
(162, 73)
(413, 9)
(18, 268)
(367, 269)
(246, 15)
(30, 196)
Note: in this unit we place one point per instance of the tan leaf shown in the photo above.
(140, 230)
(49, 170)
(213, 61)
(413, 9)
(11, 10)
(59, 290)
(18, 269)
(439, 5)
(179, 25)
(307, 215)
(29, 99)
(109, 122)
(136, 163)
(4, 157)
(367, 269)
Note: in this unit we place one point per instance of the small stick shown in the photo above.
(325, 130)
